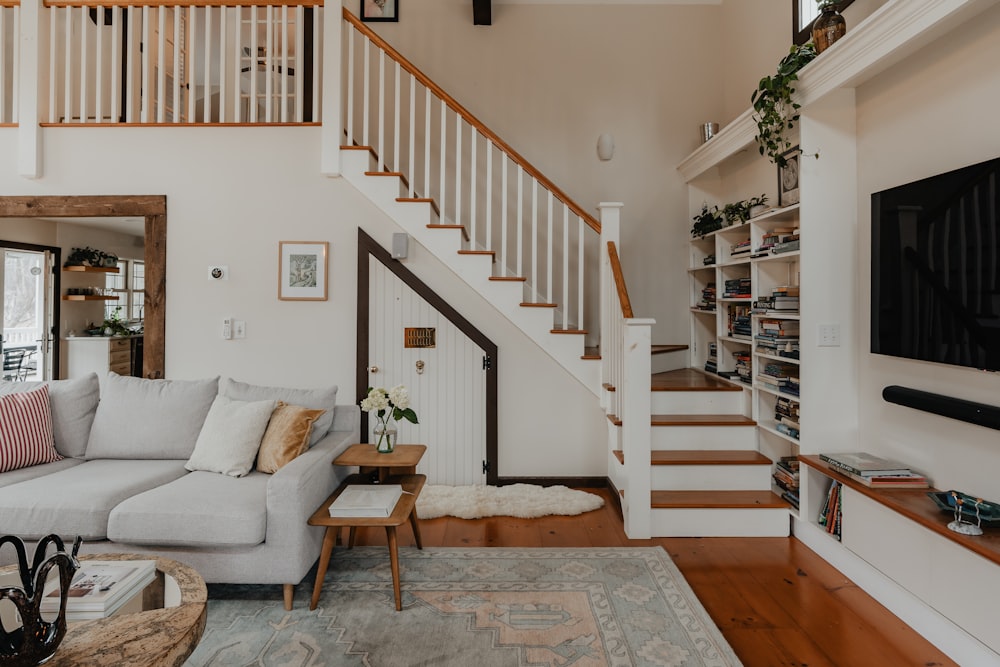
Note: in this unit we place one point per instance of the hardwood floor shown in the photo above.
(776, 602)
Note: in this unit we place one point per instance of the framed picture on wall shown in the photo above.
(302, 270)
(379, 10)
(788, 178)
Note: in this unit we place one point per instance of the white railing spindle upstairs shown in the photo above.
(10, 22)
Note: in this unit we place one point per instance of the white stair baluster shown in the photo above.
(520, 221)
(396, 102)
(458, 169)
(300, 64)
(98, 70)
(413, 136)
(161, 70)
(427, 142)
(581, 238)
(502, 259)
(268, 64)
(349, 111)
(442, 161)
(489, 195)
(206, 107)
(84, 25)
(178, 74)
(565, 266)
(284, 63)
(380, 119)
(473, 182)
(550, 238)
(68, 71)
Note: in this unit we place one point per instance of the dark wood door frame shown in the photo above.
(153, 209)
(368, 248)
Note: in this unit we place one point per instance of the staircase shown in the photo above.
(682, 454)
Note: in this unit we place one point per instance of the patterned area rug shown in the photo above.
(472, 607)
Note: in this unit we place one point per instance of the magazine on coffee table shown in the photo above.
(100, 586)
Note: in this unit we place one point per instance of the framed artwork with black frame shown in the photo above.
(788, 178)
(379, 10)
(804, 12)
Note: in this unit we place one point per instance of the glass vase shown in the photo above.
(828, 27)
(385, 439)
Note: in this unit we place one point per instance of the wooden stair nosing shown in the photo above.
(569, 331)
(609, 387)
(465, 233)
(663, 349)
(397, 174)
(716, 500)
(421, 200)
(512, 279)
(700, 457)
(693, 420)
(492, 254)
(528, 304)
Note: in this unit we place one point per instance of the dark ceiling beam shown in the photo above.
(482, 12)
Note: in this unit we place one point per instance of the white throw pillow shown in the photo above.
(230, 438)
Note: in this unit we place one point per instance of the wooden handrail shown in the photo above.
(10, 3)
(472, 120)
(616, 271)
(180, 3)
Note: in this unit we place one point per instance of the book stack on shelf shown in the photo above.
(786, 477)
(783, 300)
(744, 367)
(875, 471)
(830, 516)
(709, 260)
(786, 416)
(779, 338)
(101, 588)
(779, 376)
(737, 288)
(707, 298)
(788, 240)
(712, 363)
(769, 240)
(739, 321)
(741, 248)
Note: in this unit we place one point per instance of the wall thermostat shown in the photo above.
(218, 272)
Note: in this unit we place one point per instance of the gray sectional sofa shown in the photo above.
(123, 485)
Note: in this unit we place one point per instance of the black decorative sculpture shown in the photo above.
(35, 641)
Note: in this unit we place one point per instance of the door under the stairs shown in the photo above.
(413, 344)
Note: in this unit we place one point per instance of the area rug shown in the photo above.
(525, 501)
(472, 608)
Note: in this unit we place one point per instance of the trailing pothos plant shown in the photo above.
(774, 110)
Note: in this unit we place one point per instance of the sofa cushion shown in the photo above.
(231, 436)
(324, 398)
(24, 474)
(201, 509)
(139, 418)
(78, 500)
(26, 430)
(73, 403)
(287, 436)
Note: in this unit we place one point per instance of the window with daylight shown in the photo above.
(129, 285)
(804, 12)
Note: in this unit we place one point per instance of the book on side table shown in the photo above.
(100, 588)
(371, 500)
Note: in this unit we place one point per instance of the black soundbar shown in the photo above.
(946, 406)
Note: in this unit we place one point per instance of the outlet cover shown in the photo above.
(239, 329)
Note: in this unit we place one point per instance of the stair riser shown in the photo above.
(711, 478)
(704, 437)
(669, 361)
(697, 402)
(720, 522)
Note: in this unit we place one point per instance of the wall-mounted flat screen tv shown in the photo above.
(936, 268)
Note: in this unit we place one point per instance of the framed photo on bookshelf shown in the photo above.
(788, 178)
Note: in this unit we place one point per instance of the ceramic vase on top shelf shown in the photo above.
(828, 27)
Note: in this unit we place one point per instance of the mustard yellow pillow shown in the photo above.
(286, 437)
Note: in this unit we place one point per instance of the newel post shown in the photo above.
(331, 114)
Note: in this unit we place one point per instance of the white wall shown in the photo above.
(232, 194)
(549, 79)
(934, 113)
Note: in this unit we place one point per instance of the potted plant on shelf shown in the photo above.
(774, 111)
(757, 205)
(709, 220)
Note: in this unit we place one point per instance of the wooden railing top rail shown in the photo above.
(472, 120)
(616, 271)
(180, 3)
(10, 3)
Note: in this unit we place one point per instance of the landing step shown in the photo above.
(688, 457)
(716, 500)
(690, 379)
(593, 353)
(693, 420)
(663, 349)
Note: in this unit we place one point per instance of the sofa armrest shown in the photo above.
(297, 489)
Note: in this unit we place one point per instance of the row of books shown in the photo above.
(709, 260)
(740, 248)
(743, 369)
(875, 471)
(786, 416)
(736, 288)
(712, 363)
(739, 321)
(830, 516)
(100, 589)
(707, 298)
(775, 238)
(786, 478)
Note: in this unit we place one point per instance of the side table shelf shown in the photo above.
(914, 504)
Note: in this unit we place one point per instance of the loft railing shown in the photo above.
(222, 62)
(10, 36)
(626, 371)
(507, 206)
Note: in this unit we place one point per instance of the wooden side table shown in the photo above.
(405, 511)
(402, 460)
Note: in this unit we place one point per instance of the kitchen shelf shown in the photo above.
(88, 297)
(91, 269)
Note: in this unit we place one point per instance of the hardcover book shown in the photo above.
(361, 500)
(864, 464)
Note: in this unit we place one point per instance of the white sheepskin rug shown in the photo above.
(524, 501)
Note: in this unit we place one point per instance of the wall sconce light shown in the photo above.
(605, 146)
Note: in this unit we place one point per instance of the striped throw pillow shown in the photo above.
(26, 430)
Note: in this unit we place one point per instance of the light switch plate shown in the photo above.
(239, 328)
(829, 335)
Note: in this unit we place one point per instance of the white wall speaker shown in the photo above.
(400, 245)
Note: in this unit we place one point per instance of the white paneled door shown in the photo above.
(447, 382)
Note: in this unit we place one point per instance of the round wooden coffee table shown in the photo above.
(161, 636)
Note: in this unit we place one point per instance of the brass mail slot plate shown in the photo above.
(419, 337)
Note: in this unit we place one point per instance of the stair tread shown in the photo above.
(664, 348)
(397, 174)
(690, 379)
(702, 457)
(568, 331)
(508, 278)
(716, 500)
(465, 233)
(693, 420)
(527, 304)
(411, 200)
